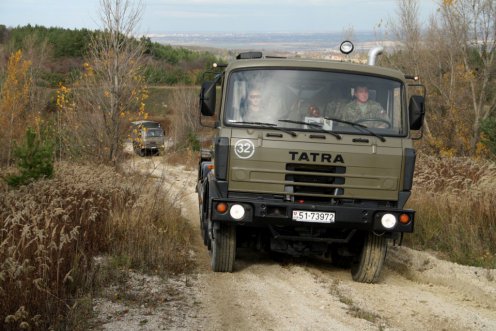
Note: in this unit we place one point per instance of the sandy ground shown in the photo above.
(417, 291)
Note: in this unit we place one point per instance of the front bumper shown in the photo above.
(263, 213)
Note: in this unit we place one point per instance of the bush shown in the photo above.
(488, 129)
(34, 160)
(193, 142)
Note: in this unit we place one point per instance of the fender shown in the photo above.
(216, 188)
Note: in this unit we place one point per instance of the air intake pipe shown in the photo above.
(373, 53)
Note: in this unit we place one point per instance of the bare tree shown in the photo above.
(186, 118)
(408, 31)
(471, 26)
(455, 55)
(112, 90)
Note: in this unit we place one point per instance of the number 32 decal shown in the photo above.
(244, 149)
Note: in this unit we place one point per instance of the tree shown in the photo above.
(455, 56)
(14, 100)
(34, 160)
(112, 89)
(471, 26)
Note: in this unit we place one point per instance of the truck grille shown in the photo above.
(314, 182)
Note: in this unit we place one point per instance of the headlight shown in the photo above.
(237, 212)
(388, 221)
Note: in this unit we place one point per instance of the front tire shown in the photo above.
(223, 248)
(204, 228)
(368, 267)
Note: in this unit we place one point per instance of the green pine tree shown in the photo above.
(488, 127)
(34, 160)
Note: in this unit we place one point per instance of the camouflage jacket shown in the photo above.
(353, 112)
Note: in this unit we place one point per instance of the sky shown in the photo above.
(237, 16)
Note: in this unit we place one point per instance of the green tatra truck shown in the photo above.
(309, 157)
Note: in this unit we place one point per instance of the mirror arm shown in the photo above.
(421, 134)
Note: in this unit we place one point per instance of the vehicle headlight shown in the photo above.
(388, 221)
(237, 212)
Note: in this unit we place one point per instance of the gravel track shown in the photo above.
(417, 291)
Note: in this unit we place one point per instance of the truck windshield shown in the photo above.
(154, 132)
(291, 98)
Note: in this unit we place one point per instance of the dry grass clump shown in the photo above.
(456, 214)
(50, 231)
(151, 235)
(185, 157)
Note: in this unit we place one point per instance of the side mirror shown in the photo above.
(416, 110)
(207, 98)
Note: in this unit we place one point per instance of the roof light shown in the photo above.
(346, 47)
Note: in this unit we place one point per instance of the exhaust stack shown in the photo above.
(373, 53)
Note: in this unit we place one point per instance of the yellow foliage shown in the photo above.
(63, 98)
(16, 87)
(14, 101)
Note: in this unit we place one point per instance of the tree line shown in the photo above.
(61, 52)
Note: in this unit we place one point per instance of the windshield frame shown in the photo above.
(402, 130)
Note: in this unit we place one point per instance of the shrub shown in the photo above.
(488, 129)
(34, 160)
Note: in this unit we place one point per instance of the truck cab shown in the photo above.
(309, 157)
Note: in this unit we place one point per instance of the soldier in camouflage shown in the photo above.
(362, 108)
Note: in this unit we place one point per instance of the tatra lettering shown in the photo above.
(316, 157)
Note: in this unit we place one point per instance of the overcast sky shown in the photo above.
(169, 16)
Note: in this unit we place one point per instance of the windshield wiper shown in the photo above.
(359, 126)
(313, 125)
(269, 125)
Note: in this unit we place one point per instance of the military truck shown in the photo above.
(322, 182)
(148, 137)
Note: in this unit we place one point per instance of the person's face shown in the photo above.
(254, 99)
(313, 111)
(362, 94)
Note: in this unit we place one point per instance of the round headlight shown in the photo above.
(388, 221)
(346, 47)
(237, 212)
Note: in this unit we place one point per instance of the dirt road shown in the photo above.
(417, 291)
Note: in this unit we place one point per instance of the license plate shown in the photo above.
(313, 216)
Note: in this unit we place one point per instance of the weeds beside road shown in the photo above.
(456, 210)
(52, 229)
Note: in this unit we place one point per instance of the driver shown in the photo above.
(361, 108)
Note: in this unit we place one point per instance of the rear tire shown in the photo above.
(223, 248)
(367, 268)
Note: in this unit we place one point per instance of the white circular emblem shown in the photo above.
(244, 149)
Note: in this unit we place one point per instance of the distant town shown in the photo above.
(314, 45)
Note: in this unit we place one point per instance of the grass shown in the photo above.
(456, 214)
(51, 231)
